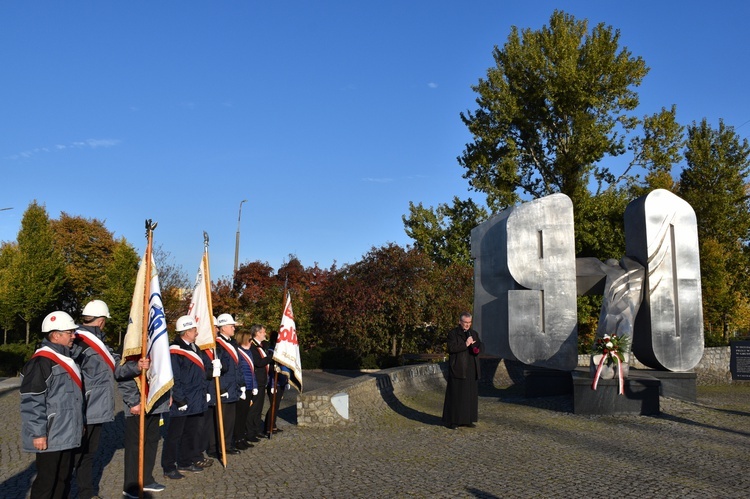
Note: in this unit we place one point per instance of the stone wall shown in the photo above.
(366, 394)
(351, 400)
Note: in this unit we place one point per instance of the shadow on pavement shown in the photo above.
(18, 486)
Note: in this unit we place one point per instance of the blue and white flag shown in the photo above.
(159, 376)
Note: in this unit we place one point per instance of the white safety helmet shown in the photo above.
(96, 308)
(184, 323)
(225, 320)
(58, 321)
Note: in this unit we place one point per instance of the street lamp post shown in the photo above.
(237, 243)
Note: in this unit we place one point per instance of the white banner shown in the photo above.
(199, 309)
(286, 351)
(159, 376)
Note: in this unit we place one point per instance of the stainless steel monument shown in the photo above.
(526, 278)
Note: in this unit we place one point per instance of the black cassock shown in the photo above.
(461, 395)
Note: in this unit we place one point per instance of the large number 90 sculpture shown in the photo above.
(526, 280)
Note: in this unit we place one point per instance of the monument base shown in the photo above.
(641, 395)
(681, 386)
(542, 382)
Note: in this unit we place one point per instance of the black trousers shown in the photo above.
(83, 460)
(210, 431)
(241, 422)
(255, 415)
(151, 442)
(53, 471)
(181, 445)
(229, 415)
(272, 409)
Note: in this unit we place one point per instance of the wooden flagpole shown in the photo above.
(219, 410)
(150, 226)
(275, 385)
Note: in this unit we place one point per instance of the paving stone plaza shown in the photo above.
(520, 448)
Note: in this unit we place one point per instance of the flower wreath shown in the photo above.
(612, 349)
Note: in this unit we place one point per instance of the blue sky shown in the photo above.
(327, 116)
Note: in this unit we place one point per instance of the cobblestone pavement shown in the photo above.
(520, 448)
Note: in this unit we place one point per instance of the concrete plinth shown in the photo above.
(541, 382)
(641, 395)
(682, 386)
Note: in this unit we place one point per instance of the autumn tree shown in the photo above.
(119, 284)
(174, 283)
(715, 184)
(38, 270)
(86, 247)
(388, 303)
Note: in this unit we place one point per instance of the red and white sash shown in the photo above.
(248, 358)
(189, 354)
(99, 347)
(229, 348)
(63, 361)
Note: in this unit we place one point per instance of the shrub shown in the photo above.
(13, 356)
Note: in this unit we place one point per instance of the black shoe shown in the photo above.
(173, 475)
(471, 425)
(253, 439)
(233, 452)
(214, 455)
(203, 463)
(241, 445)
(277, 430)
(452, 426)
(190, 469)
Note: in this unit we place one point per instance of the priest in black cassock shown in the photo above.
(461, 395)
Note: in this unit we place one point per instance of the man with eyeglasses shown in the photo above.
(52, 407)
(461, 406)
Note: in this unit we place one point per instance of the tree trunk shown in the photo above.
(28, 328)
(394, 342)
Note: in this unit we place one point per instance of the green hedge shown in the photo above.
(13, 357)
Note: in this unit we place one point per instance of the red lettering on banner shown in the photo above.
(289, 335)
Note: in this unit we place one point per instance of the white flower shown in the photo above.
(609, 344)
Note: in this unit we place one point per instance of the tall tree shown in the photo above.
(553, 106)
(119, 283)
(8, 314)
(39, 270)
(657, 151)
(86, 246)
(715, 184)
(444, 233)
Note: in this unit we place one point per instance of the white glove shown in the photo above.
(225, 395)
(255, 391)
(208, 397)
(183, 408)
(243, 395)
(216, 363)
(272, 390)
(287, 387)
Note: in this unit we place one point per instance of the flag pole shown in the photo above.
(219, 410)
(275, 385)
(150, 226)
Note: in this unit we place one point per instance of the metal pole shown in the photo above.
(237, 243)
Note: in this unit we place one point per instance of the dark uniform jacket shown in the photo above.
(231, 376)
(189, 379)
